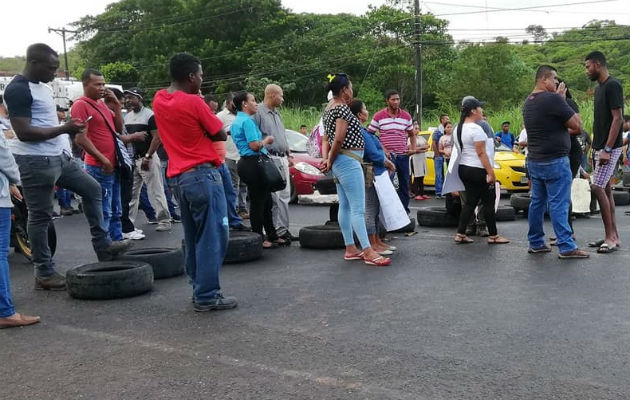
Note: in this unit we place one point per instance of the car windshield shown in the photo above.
(501, 147)
(297, 141)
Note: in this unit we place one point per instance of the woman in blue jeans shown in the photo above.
(343, 132)
(9, 178)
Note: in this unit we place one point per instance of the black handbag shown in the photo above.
(274, 179)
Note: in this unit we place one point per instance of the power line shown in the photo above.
(524, 8)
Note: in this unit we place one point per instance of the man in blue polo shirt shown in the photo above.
(505, 136)
(43, 156)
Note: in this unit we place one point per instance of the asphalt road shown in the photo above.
(443, 322)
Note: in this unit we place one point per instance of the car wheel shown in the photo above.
(436, 217)
(626, 179)
(622, 198)
(505, 213)
(410, 227)
(109, 280)
(321, 237)
(243, 246)
(166, 263)
(23, 244)
(326, 185)
(294, 195)
(520, 201)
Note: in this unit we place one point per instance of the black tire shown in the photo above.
(622, 198)
(626, 179)
(166, 263)
(410, 227)
(109, 280)
(243, 246)
(326, 185)
(520, 201)
(321, 237)
(23, 244)
(436, 217)
(505, 213)
(331, 223)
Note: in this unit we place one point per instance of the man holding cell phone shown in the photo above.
(44, 162)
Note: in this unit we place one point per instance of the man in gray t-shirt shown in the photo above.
(270, 123)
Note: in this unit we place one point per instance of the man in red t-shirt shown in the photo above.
(98, 142)
(187, 129)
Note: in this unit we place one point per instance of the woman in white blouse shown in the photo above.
(475, 171)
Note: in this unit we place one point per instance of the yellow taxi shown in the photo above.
(509, 167)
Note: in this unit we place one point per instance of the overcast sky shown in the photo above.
(27, 21)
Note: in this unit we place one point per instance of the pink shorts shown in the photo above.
(603, 172)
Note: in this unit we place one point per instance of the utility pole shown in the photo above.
(418, 64)
(62, 32)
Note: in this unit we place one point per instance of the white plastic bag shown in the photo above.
(581, 196)
(393, 214)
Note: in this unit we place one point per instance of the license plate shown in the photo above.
(524, 179)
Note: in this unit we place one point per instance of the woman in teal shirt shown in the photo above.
(250, 144)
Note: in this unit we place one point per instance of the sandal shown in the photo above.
(357, 256)
(379, 261)
(282, 242)
(596, 243)
(605, 248)
(462, 239)
(497, 240)
(269, 245)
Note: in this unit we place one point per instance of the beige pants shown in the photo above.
(155, 189)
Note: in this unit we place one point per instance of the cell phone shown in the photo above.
(88, 118)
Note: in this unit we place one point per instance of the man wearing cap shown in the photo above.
(505, 136)
(147, 167)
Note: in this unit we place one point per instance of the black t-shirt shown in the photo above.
(608, 96)
(545, 114)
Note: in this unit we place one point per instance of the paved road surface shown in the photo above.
(443, 322)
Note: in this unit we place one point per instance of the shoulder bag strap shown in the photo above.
(111, 130)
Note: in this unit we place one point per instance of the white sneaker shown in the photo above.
(134, 235)
(140, 231)
(163, 227)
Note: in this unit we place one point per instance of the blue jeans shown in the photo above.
(230, 196)
(6, 305)
(204, 217)
(438, 166)
(167, 190)
(551, 183)
(401, 161)
(64, 197)
(351, 193)
(110, 192)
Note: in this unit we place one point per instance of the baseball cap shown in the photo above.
(470, 103)
(134, 92)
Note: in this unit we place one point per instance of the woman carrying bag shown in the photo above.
(251, 147)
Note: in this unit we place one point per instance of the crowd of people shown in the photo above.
(186, 155)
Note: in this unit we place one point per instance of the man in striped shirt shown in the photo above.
(394, 126)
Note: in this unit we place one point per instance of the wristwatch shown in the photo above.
(147, 156)
(608, 149)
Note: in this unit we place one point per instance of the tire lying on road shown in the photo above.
(242, 247)
(166, 262)
(321, 237)
(622, 198)
(520, 201)
(436, 217)
(410, 227)
(505, 213)
(109, 280)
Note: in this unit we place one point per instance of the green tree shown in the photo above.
(120, 73)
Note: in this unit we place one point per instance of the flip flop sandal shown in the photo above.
(596, 243)
(463, 239)
(605, 248)
(498, 240)
(378, 261)
(357, 256)
(269, 245)
(385, 252)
